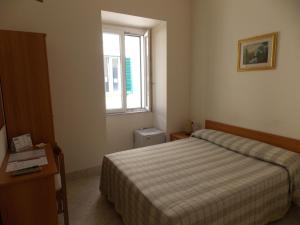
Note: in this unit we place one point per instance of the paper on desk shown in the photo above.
(19, 165)
(26, 155)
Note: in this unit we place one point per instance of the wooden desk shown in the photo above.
(29, 199)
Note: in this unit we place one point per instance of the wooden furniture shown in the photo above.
(27, 109)
(29, 199)
(25, 85)
(276, 140)
(179, 135)
(61, 190)
(1, 111)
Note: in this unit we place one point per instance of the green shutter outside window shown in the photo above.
(128, 76)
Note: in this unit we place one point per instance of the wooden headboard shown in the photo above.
(276, 140)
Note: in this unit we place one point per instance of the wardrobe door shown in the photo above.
(1, 114)
(25, 85)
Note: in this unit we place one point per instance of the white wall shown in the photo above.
(120, 129)
(159, 75)
(263, 100)
(73, 30)
(3, 144)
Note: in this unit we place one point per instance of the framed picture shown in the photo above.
(257, 53)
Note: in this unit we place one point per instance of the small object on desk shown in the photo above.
(21, 143)
(188, 127)
(41, 145)
(179, 135)
(26, 155)
(29, 170)
(20, 165)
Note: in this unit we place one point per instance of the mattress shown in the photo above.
(194, 181)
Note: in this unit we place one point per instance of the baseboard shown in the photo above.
(94, 171)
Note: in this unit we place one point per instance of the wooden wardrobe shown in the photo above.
(25, 85)
(27, 109)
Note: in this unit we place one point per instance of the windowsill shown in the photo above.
(127, 113)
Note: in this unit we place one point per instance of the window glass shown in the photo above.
(133, 71)
(112, 71)
(126, 69)
(111, 44)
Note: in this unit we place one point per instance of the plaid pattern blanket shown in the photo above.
(256, 149)
(194, 181)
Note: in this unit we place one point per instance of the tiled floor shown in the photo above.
(88, 207)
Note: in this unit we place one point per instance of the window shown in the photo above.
(126, 69)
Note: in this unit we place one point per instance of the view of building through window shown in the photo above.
(112, 70)
(124, 71)
(133, 71)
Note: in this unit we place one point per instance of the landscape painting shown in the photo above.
(257, 53)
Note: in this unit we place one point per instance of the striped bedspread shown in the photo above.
(194, 181)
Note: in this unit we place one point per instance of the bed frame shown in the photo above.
(276, 140)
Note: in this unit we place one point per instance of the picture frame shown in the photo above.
(257, 53)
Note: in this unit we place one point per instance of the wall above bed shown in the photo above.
(261, 100)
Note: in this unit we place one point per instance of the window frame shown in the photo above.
(145, 67)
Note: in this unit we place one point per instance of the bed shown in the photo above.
(214, 177)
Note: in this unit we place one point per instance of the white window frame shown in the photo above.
(145, 66)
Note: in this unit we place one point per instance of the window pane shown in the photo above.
(112, 71)
(111, 44)
(133, 71)
(143, 75)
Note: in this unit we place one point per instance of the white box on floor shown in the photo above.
(148, 136)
